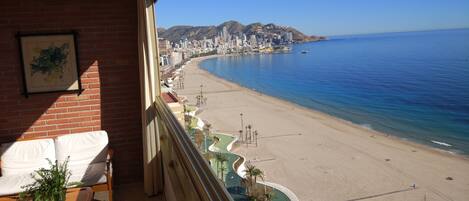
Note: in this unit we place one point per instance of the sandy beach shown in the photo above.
(323, 158)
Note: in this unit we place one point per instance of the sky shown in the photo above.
(320, 17)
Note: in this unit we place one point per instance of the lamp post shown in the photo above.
(242, 126)
(255, 136)
(246, 136)
(201, 95)
(250, 134)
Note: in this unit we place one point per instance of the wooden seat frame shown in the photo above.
(96, 188)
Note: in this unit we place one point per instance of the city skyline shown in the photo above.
(321, 18)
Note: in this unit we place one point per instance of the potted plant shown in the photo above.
(49, 184)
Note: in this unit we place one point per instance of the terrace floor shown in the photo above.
(127, 192)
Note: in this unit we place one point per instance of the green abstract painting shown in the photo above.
(50, 63)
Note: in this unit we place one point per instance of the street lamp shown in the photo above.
(246, 136)
(250, 136)
(255, 135)
(201, 96)
(242, 126)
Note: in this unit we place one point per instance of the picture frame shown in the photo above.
(49, 63)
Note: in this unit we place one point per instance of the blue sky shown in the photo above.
(325, 17)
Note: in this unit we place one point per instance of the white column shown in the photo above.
(149, 90)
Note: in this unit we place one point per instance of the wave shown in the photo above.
(441, 143)
(367, 126)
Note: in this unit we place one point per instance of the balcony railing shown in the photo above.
(190, 175)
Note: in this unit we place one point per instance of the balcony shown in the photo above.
(120, 93)
(187, 175)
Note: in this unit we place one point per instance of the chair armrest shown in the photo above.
(110, 154)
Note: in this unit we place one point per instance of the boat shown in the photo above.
(304, 52)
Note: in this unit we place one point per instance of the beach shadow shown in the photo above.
(383, 194)
(283, 135)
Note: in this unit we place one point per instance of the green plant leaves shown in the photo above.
(49, 184)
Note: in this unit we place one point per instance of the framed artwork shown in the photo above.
(49, 63)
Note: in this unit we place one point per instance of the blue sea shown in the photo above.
(413, 85)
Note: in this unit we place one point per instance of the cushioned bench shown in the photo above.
(88, 155)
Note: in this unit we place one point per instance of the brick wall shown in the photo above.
(108, 58)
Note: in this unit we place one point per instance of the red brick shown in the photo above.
(58, 132)
(35, 134)
(97, 96)
(67, 115)
(81, 130)
(108, 59)
(89, 113)
(66, 104)
(80, 119)
(92, 75)
(56, 110)
(58, 121)
(78, 109)
(70, 125)
(89, 80)
(91, 91)
(96, 107)
(94, 86)
(90, 102)
(90, 123)
(47, 116)
(39, 123)
(44, 128)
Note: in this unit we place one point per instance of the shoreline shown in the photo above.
(358, 126)
(325, 151)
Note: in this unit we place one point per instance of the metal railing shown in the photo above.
(190, 175)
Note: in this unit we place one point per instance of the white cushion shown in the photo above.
(24, 157)
(89, 174)
(11, 185)
(87, 152)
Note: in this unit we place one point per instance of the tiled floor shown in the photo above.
(127, 192)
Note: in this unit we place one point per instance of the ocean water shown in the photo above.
(413, 85)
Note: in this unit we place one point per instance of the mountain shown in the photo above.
(177, 33)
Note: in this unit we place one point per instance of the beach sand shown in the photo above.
(320, 157)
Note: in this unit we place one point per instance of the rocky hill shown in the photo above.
(177, 33)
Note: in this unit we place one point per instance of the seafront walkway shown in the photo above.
(222, 143)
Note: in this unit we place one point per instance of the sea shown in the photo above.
(412, 85)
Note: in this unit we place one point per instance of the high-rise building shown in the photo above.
(288, 37)
(226, 35)
(164, 46)
(253, 41)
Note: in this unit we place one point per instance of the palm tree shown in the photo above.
(186, 116)
(268, 196)
(218, 157)
(207, 128)
(257, 173)
(245, 183)
(222, 159)
(222, 170)
(249, 177)
(198, 138)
